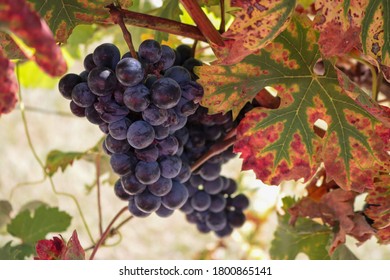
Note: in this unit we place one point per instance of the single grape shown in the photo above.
(190, 63)
(226, 231)
(129, 72)
(104, 128)
(121, 163)
(163, 211)
(161, 187)
(118, 129)
(106, 55)
(230, 186)
(218, 203)
(216, 221)
(179, 74)
(235, 218)
(88, 62)
(170, 166)
(147, 172)
(149, 154)
(102, 81)
(187, 208)
(167, 57)
(147, 202)
(185, 173)
(240, 201)
(161, 132)
(192, 91)
(210, 171)
(137, 98)
(82, 95)
(93, 116)
(110, 111)
(67, 83)
(131, 185)
(200, 201)
(76, 109)
(150, 51)
(140, 134)
(185, 52)
(165, 93)
(116, 146)
(120, 191)
(154, 115)
(135, 211)
(213, 187)
(168, 146)
(202, 227)
(149, 81)
(176, 197)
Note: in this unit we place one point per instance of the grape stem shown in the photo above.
(106, 232)
(203, 22)
(216, 149)
(117, 17)
(157, 23)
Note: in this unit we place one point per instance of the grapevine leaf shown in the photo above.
(31, 228)
(255, 25)
(348, 24)
(51, 249)
(17, 252)
(378, 210)
(5, 210)
(65, 16)
(169, 10)
(74, 250)
(281, 144)
(208, 2)
(35, 33)
(10, 47)
(57, 159)
(305, 236)
(335, 208)
(8, 85)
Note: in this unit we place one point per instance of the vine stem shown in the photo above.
(106, 232)
(117, 17)
(203, 22)
(159, 24)
(216, 149)
(41, 164)
(99, 201)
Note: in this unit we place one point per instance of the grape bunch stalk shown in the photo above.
(155, 130)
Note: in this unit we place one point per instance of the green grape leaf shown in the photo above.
(17, 252)
(63, 16)
(8, 85)
(31, 227)
(255, 25)
(57, 159)
(282, 144)
(305, 236)
(170, 10)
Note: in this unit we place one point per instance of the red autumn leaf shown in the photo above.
(50, 249)
(256, 24)
(18, 18)
(335, 208)
(8, 85)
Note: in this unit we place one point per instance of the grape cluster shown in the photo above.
(148, 107)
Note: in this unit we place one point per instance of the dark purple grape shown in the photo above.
(185, 52)
(83, 96)
(110, 111)
(122, 163)
(137, 98)
(240, 201)
(187, 208)
(202, 227)
(165, 93)
(179, 74)
(93, 116)
(186, 107)
(210, 171)
(154, 115)
(230, 186)
(140, 134)
(148, 154)
(167, 57)
(129, 72)
(120, 191)
(196, 181)
(131, 184)
(161, 187)
(182, 135)
(147, 172)
(185, 173)
(176, 197)
(226, 231)
(161, 132)
(118, 129)
(116, 146)
(170, 166)
(84, 76)
(200, 201)
(235, 218)
(192, 91)
(172, 118)
(163, 211)
(135, 211)
(168, 146)
(147, 202)
(179, 123)
(213, 187)
(88, 62)
(216, 221)
(218, 203)
(149, 81)
(104, 128)
(102, 81)
(106, 55)
(150, 51)
(76, 109)
(67, 83)
(190, 63)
